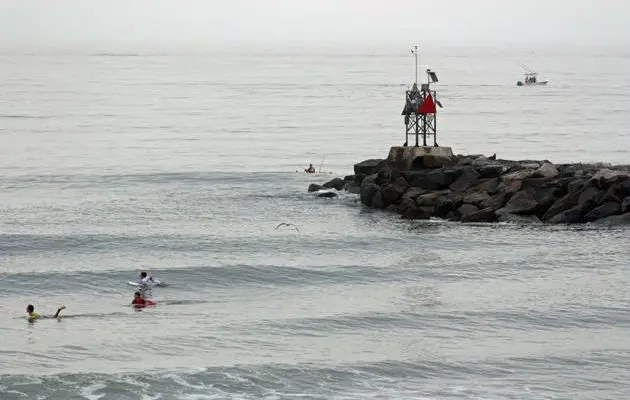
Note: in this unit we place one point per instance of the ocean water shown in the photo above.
(182, 161)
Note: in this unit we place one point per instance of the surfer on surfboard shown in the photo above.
(146, 280)
(310, 169)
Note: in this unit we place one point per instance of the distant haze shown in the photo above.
(460, 22)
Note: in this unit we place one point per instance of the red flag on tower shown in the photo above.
(428, 106)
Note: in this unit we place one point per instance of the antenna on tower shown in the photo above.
(414, 51)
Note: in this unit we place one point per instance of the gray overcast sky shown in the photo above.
(605, 22)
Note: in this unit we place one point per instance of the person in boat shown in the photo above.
(139, 301)
(310, 169)
(33, 316)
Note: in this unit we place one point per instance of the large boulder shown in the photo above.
(377, 200)
(570, 216)
(530, 201)
(491, 170)
(367, 192)
(621, 188)
(564, 203)
(336, 183)
(466, 210)
(352, 187)
(369, 167)
(614, 220)
(434, 161)
(412, 193)
(509, 187)
(314, 188)
(589, 198)
(467, 179)
(603, 211)
(495, 202)
(431, 199)
(576, 185)
(517, 219)
(489, 186)
(449, 204)
(518, 175)
(484, 215)
(436, 179)
(394, 191)
(476, 197)
(420, 179)
(444, 177)
(327, 194)
(416, 213)
(522, 202)
(546, 170)
(603, 178)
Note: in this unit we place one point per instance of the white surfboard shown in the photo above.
(155, 283)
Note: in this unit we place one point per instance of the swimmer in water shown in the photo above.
(33, 316)
(139, 301)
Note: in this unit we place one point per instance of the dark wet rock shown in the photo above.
(392, 208)
(352, 187)
(522, 202)
(489, 186)
(576, 185)
(377, 200)
(314, 188)
(394, 191)
(603, 178)
(327, 194)
(420, 179)
(434, 161)
(475, 197)
(621, 188)
(484, 215)
(443, 178)
(433, 179)
(603, 211)
(405, 204)
(570, 216)
(518, 175)
(510, 187)
(477, 188)
(614, 220)
(546, 170)
(431, 199)
(467, 179)
(417, 213)
(518, 219)
(368, 167)
(336, 183)
(495, 202)
(564, 203)
(491, 170)
(413, 192)
(589, 197)
(367, 193)
(466, 210)
(545, 196)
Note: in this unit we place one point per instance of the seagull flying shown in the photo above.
(284, 223)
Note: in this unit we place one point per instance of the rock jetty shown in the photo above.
(476, 188)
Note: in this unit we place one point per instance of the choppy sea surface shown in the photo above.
(182, 162)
